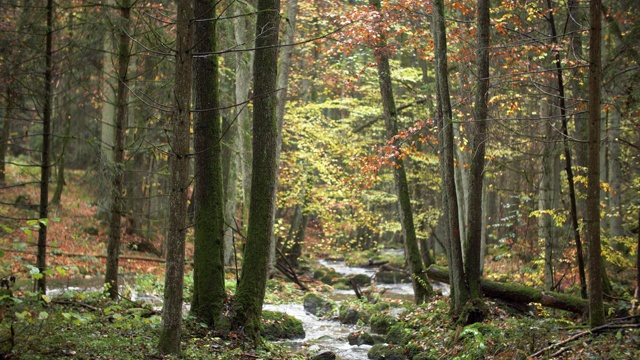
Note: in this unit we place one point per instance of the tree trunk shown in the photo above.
(243, 75)
(171, 331)
(519, 293)
(615, 165)
(459, 290)
(421, 287)
(117, 185)
(230, 166)
(208, 270)
(6, 129)
(45, 166)
(282, 86)
(478, 145)
(251, 290)
(596, 309)
(107, 125)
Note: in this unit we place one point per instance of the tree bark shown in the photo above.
(208, 271)
(421, 287)
(596, 309)
(459, 289)
(282, 86)
(519, 293)
(45, 164)
(117, 184)
(107, 125)
(251, 290)
(478, 144)
(6, 128)
(171, 331)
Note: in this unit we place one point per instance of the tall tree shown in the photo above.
(45, 163)
(421, 287)
(596, 308)
(208, 271)
(251, 291)
(459, 289)
(117, 180)
(179, 125)
(478, 142)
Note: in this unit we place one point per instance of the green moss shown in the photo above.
(386, 352)
(361, 279)
(317, 305)
(398, 335)
(380, 324)
(278, 326)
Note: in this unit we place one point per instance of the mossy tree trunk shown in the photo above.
(421, 287)
(250, 293)
(179, 125)
(208, 271)
(117, 181)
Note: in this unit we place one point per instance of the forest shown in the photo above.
(220, 179)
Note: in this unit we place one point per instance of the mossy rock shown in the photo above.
(331, 278)
(412, 350)
(392, 277)
(359, 338)
(398, 335)
(351, 315)
(386, 352)
(425, 355)
(380, 324)
(361, 279)
(317, 305)
(278, 326)
(319, 274)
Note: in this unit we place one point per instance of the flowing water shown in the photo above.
(325, 335)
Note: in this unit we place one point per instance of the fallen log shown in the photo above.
(519, 293)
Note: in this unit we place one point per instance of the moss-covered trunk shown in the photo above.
(250, 294)
(208, 271)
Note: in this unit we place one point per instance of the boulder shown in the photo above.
(278, 326)
(325, 355)
(317, 305)
(386, 352)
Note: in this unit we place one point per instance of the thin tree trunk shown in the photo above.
(596, 308)
(459, 290)
(6, 128)
(282, 86)
(117, 185)
(45, 166)
(421, 287)
(171, 331)
(567, 155)
(615, 165)
(243, 75)
(208, 271)
(107, 125)
(251, 291)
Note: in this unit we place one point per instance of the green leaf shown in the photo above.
(46, 298)
(44, 222)
(43, 315)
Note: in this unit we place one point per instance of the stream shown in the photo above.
(323, 335)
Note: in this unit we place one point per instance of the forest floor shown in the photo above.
(87, 325)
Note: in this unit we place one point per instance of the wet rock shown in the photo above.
(278, 326)
(325, 355)
(386, 352)
(317, 305)
(360, 337)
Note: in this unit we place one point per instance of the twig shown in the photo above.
(65, 302)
